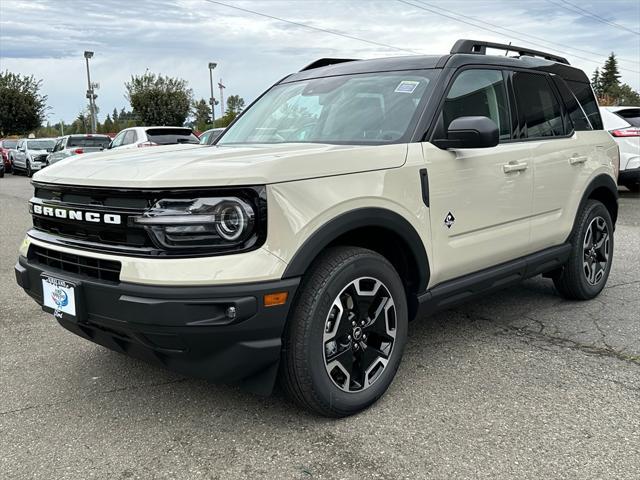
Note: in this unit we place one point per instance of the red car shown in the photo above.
(6, 145)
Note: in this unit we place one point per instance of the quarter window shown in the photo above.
(477, 93)
(538, 106)
(574, 110)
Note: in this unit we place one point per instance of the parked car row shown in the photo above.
(623, 123)
(28, 155)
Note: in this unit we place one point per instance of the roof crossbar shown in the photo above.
(323, 62)
(479, 47)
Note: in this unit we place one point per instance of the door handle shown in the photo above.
(576, 159)
(514, 167)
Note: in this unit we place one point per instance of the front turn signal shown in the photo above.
(274, 299)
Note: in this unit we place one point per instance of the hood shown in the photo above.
(175, 166)
(38, 152)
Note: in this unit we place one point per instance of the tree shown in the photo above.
(596, 82)
(624, 95)
(202, 115)
(235, 104)
(610, 75)
(158, 99)
(22, 107)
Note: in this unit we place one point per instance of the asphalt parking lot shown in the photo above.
(519, 385)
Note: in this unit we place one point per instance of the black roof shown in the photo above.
(530, 59)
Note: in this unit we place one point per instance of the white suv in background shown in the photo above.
(624, 124)
(153, 136)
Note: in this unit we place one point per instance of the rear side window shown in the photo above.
(170, 136)
(631, 115)
(538, 106)
(129, 137)
(574, 111)
(99, 142)
(477, 93)
(585, 96)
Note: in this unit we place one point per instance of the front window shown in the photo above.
(41, 145)
(370, 108)
(8, 144)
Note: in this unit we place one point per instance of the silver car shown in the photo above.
(71, 145)
(31, 154)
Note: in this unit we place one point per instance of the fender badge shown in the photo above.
(449, 220)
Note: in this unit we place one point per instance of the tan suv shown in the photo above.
(350, 198)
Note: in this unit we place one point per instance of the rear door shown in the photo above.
(480, 198)
(562, 157)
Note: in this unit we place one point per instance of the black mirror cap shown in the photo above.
(470, 132)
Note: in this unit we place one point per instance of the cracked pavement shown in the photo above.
(521, 384)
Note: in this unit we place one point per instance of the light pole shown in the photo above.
(91, 94)
(212, 100)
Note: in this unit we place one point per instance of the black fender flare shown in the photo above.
(352, 220)
(600, 181)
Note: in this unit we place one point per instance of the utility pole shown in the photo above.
(91, 94)
(221, 87)
(212, 100)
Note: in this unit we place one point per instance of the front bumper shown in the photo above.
(629, 176)
(185, 329)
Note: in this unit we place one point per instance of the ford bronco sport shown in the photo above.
(349, 198)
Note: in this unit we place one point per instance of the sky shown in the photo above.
(46, 38)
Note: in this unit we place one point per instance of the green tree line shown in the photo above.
(608, 88)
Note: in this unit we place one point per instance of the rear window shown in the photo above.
(585, 96)
(631, 115)
(88, 142)
(577, 117)
(9, 143)
(170, 136)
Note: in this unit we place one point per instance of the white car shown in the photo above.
(31, 154)
(623, 124)
(135, 137)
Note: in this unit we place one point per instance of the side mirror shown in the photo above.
(470, 132)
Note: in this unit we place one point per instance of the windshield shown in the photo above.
(370, 108)
(40, 144)
(9, 143)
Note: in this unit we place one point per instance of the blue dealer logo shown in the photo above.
(60, 297)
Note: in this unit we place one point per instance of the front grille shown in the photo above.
(106, 270)
(40, 158)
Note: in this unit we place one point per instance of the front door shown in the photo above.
(481, 198)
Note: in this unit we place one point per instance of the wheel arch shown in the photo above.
(378, 229)
(604, 189)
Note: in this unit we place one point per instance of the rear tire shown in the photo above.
(346, 333)
(585, 274)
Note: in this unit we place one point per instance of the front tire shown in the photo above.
(29, 171)
(346, 334)
(586, 272)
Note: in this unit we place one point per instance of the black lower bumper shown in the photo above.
(186, 329)
(631, 176)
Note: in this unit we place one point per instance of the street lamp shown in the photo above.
(91, 93)
(212, 100)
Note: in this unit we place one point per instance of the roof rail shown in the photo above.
(480, 47)
(323, 62)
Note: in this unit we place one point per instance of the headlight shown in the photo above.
(213, 223)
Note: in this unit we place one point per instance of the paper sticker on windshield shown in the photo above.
(406, 86)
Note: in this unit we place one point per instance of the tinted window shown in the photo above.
(98, 142)
(477, 93)
(171, 136)
(631, 115)
(584, 94)
(576, 115)
(41, 145)
(537, 105)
